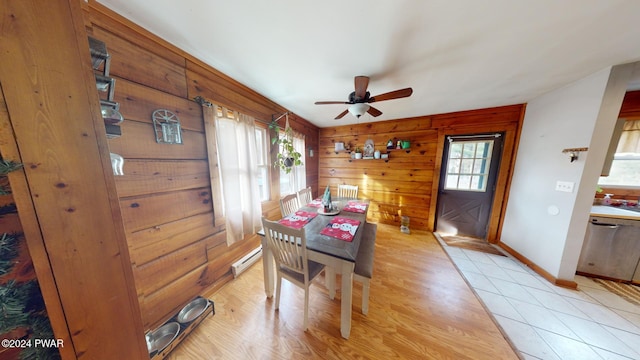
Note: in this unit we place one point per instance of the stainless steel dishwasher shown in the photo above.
(611, 248)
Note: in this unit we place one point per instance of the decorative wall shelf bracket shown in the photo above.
(202, 101)
(574, 152)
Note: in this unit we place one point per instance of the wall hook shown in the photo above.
(574, 153)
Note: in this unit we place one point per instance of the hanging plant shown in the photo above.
(287, 157)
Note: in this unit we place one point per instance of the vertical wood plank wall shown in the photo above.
(407, 184)
(177, 240)
(68, 210)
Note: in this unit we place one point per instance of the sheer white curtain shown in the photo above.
(237, 154)
(630, 139)
(299, 172)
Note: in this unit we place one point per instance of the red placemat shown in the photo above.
(355, 206)
(341, 228)
(298, 219)
(315, 203)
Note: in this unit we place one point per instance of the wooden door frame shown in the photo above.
(32, 235)
(65, 193)
(507, 160)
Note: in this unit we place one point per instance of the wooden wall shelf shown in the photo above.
(385, 160)
(388, 151)
(405, 150)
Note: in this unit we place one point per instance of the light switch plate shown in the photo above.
(565, 186)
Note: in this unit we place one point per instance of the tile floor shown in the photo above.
(544, 321)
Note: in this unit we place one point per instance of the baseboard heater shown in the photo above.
(243, 264)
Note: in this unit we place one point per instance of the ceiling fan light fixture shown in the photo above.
(358, 109)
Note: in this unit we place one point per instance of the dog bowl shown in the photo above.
(151, 347)
(192, 310)
(163, 336)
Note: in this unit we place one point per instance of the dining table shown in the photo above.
(336, 254)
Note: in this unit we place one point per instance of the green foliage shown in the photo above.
(40, 329)
(7, 166)
(8, 252)
(287, 156)
(13, 302)
(21, 306)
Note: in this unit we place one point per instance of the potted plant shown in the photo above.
(287, 156)
(358, 153)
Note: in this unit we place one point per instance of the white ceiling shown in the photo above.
(455, 54)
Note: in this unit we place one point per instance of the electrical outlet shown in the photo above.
(564, 186)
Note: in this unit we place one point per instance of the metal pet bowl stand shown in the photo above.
(187, 324)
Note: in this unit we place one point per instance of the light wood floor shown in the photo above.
(419, 308)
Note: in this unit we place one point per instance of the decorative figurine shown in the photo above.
(326, 200)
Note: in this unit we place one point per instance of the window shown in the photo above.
(625, 171)
(468, 165)
(297, 178)
(625, 168)
(262, 150)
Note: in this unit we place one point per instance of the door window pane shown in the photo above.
(452, 182)
(469, 150)
(465, 182)
(455, 151)
(454, 166)
(468, 165)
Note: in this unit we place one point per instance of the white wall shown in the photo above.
(544, 225)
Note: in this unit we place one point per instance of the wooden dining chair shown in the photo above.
(305, 196)
(289, 204)
(289, 249)
(348, 191)
(363, 271)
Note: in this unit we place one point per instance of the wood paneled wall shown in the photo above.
(630, 109)
(175, 233)
(68, 209)
(407, 184)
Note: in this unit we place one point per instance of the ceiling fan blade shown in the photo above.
(342, 114)
(392, 95)
(361, 84)
(330, 102)
(374, 112)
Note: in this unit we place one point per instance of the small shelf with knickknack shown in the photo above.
(384, 156)
(369, 152)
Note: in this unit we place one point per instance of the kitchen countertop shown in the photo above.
(613, 212)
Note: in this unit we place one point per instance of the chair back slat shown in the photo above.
(289, 204)
(289, 249)
(287, 245)
(305, 196)
(347, 191)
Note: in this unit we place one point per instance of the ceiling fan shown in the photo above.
(360, 99)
